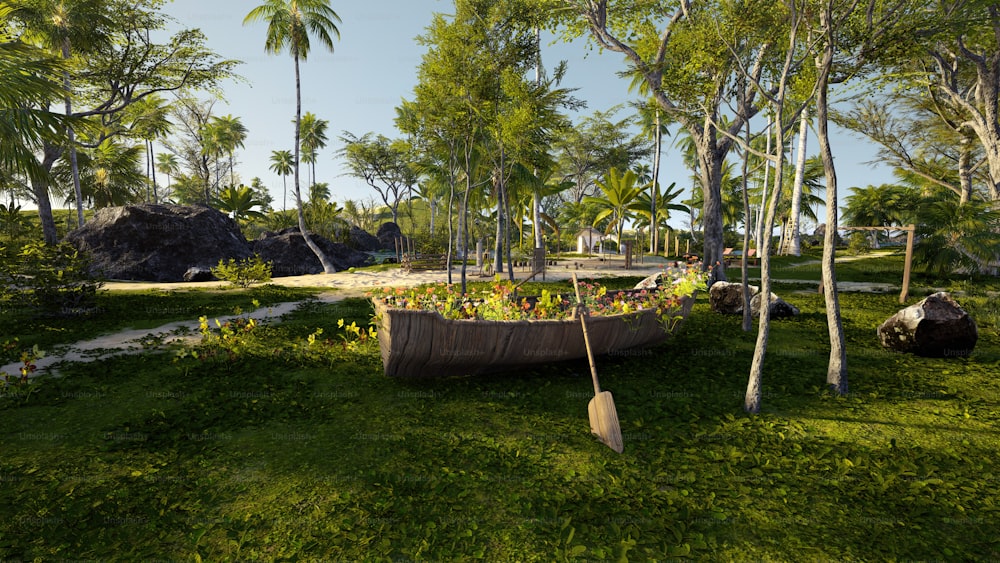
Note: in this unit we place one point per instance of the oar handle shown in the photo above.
(582, 309)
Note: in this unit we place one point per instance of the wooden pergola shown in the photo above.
(909, 252)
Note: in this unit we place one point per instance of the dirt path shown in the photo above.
(136, 341)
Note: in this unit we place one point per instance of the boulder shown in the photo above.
(727, 298)
(779, 307)
(290, 256)
(360, 239)
(935, 327)
(387, 236)
(160, 243)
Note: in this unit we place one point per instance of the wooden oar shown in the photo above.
(603, 415)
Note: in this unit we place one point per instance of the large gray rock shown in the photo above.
(727, 298)
(290, 256)
(935, 327)
(158, 243)
(387, 235)
(361, 239)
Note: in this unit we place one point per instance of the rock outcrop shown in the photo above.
(154, 242)
(290, 256)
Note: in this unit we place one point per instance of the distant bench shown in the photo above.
(424, 262)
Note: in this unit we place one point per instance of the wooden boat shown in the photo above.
(416, 343)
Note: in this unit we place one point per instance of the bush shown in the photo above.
(54, 279)
(243, 273)
(858, 244)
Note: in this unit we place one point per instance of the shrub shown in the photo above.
(858, 244)
(243, 273)
(54, 279)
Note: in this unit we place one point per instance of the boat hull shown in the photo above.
(417, 343)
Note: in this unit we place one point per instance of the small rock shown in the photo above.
(727, 298)
(199, 274)
(779, 307)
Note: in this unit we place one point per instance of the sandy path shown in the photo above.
(344, 284)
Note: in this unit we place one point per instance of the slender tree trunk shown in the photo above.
(711, 170)
(498, 243)
(794, 240)
(152, 160)
(451, 208)
(965, 170)
(465, 217)
(536, 196)
(752, 400)
(654, 231)
(328, 267)
(759, 231)
(744, 259)
(836, 373)
(40, 187)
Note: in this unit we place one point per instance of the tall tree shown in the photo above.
(659, 47)
(282, 164)
(62, 25)
(289, 24)
(313, 140)
(28, 84)
(965, 54)
(620, 192)
(121, 71)
(168, 164)
(147, 120)
(383, 163)
(231, 134)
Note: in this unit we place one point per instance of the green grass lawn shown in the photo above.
(271, 447)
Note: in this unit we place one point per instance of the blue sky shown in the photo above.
(373, 67)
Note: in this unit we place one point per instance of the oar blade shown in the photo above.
(604, 420)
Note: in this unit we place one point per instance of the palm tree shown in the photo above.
(24, 76)
(662, 206)
(150, 122)
(230, 133)
(289, 25)
(61, 25)
(240, 202)
(168, 164)
(652, 124)
(211, 146)
(109, 175)
(620, 191)
(877, 206)
(313, 139)
(282, 163)
(957, 236)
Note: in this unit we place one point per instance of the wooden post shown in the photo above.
(906, 265)
(677, 246)
(666, 243)
(688, 249)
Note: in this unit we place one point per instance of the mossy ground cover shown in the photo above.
(278, 446)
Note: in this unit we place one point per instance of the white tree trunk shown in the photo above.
(836, 374)
(793, 240)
